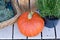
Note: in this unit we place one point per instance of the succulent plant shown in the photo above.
(6, 11)
(5, 14)
(2, 4)
(7, 1)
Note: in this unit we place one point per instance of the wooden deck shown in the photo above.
(12, 32)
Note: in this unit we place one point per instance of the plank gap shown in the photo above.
(26, 37)
(12, 31)
(55, 31)
(17, 33)
(41, 35)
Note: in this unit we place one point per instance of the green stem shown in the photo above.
(30, 15)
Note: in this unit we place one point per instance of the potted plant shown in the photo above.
(49, 10)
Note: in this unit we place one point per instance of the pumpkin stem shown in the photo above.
(30, 15)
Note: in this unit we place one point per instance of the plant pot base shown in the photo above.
(50, 23)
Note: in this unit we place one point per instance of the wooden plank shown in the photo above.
(48, 33)
(6, 33)
(17, 34)
(36, 37)
(57, 26)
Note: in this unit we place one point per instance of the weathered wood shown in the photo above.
(48, 33)
(36, 37)
(57, 26)
(6, 33)
(17, 34)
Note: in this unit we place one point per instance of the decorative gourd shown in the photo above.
(30, 24)
(33, 5)
(24, 4)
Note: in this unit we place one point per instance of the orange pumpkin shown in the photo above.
(30, 24)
